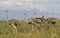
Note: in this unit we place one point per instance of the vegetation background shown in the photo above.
(25, 30)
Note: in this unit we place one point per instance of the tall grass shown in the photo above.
(24, 30)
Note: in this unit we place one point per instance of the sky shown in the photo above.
(17, 8)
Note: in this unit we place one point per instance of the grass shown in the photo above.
(25, 30)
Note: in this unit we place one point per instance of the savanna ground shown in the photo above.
(25, 30)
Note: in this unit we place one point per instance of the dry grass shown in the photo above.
(24, 30)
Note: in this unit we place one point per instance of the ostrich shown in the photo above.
(14, 25)
(31, 23)
(52, 21)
